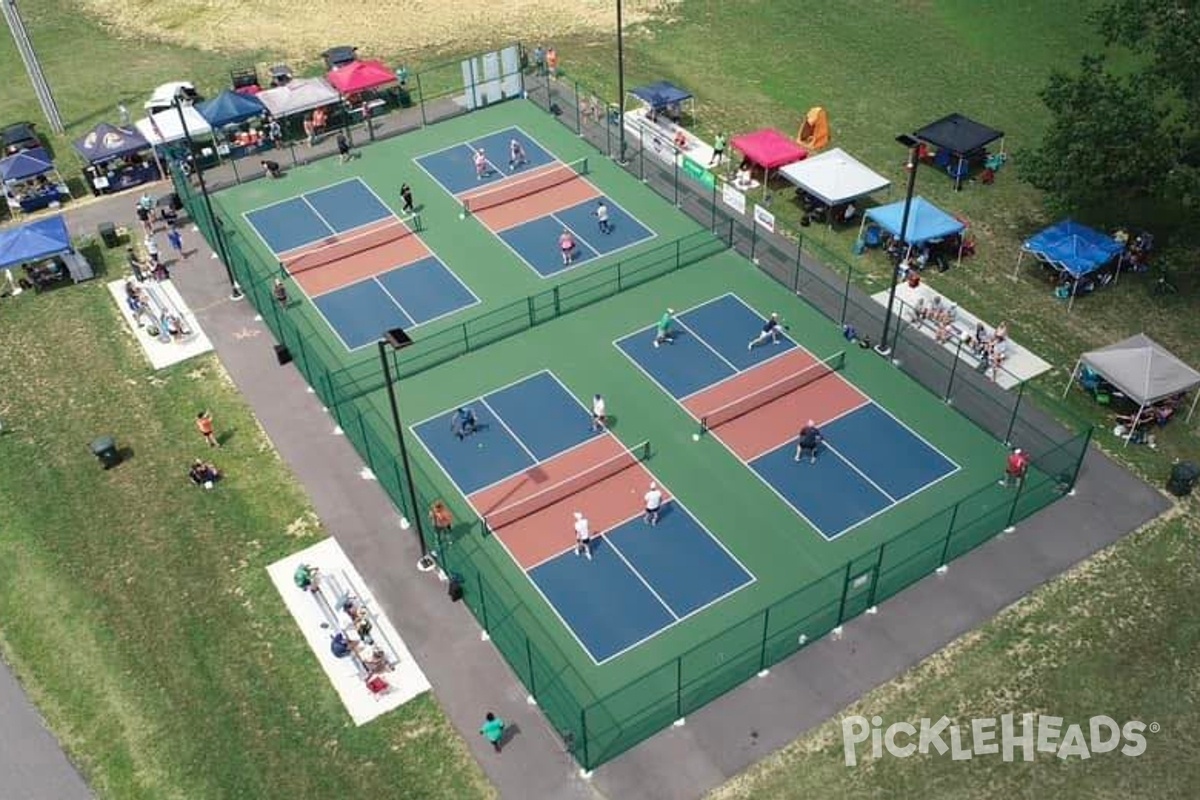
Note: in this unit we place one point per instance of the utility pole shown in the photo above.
(40, 87)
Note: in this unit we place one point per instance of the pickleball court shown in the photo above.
(755, 401)
(529, 205)
(365, 269)
(536, 460)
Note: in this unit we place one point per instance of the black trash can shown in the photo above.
(108, 234)
(105, 449)
(1183, 478)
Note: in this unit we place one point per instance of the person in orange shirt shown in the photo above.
(552, 63)
(204, 424)
(440, 516)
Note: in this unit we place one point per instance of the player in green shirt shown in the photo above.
(493, 730)
(662, 329)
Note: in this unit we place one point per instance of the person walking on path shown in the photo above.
(493, 730)
(516, 155)
(662, 329)
(175, 240)
(808, 441)
(601, 213)
(583, 536)
(135, 265)
(718, 150)
(151, 249)
(204, 424)
(143, 215)
(406, 196)
(654, 499)
(279, 292)
(343, 147)
(1015, 468)
(770, 330)
(599, 413)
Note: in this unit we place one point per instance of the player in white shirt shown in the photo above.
(583, 536)
(654, 499)
(599, 415)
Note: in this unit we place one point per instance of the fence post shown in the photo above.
(875, 575)
(529, 658)
(619, 263)
(482, 603)
(362, 431)
(1012, 511)
(713, 226)
(675, 175)
(949, 533)
(578, 112)
(421, 94)
(532, 313)
(845, 591)
(1087, 440)
(584, 735)
(762, 656)
(557, 306)
(679, 687)
(846, 295)
(466, 339)
(641, 153)
(753, 240)
(953, 370)
(1012, 421)
(678, 254)
(797, 266)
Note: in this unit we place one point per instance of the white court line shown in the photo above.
(595, 253)
(483, 401)
(864, 475)
(411, 322)
(866, 401)
(704, 342)
(645, 583)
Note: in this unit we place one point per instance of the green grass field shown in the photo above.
(878, 72)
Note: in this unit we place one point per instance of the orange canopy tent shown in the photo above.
(814, 131)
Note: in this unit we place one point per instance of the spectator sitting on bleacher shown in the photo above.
(203, 474)
(306, 578)
(919, 312)
(362, 624)
(375, 661)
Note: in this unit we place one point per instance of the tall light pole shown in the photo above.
(235, 291)
(32, 66)
(620, 86)
(398, 339)
(913, 146)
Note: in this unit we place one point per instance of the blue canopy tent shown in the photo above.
(1074, 250)
(662, 96)
(25, 165)
(21, 191)
(42, 239)
(117, 158)
(105, 142)
(230, 108)
(926, 222)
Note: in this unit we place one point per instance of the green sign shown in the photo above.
(697, 172)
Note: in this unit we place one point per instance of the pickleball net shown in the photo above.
(342, 247)
(518, 188)
(568, 487)
(780, 388)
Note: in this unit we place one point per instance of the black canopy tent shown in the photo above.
(960, 137)
(118, 158)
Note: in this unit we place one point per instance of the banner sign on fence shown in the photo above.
(733, 198)
(698, 172)
(764, 218)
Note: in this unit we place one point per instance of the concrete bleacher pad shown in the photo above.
(163, 353)
(1020, 364)
(320, 617)
(658, 138)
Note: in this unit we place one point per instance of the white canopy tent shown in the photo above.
(835, 177)
(1143, 370)
(165, 127)
(297, 96)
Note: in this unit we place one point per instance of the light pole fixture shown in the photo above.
(620, 86)
(913, 145)
(397, 339)
(235, 291)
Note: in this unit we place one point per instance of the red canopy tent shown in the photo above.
(768, 149)
(360, 76)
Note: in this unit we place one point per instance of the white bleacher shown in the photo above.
(161, 350)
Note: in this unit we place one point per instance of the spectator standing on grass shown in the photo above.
(653, 499)
(135, 265)
(599, 413)
(583, 536)
(407, 198)
(493, 730)
(601, 213)
(175, 240)
(204, 424)
(662, 329)
(1015, 468)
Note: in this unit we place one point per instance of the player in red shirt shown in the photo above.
(1015, 468)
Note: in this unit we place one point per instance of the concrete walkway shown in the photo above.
(717, 742)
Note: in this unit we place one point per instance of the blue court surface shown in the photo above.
(709, 345)
(536, 241)
(405, 297)
(454, 167)
(868, 463)
(317, 215)
(641, 579)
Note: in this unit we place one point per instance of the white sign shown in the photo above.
(764, 218)
(733, 198)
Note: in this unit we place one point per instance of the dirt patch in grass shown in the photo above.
(375, 26)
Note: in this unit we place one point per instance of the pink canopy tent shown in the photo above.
(769, 149)
(360, 76)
